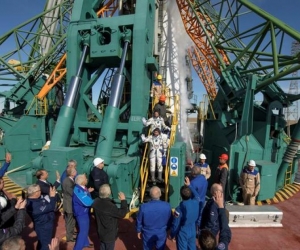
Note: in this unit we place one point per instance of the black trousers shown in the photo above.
(107, 246)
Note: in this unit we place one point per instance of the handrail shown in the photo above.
(172, 141)
(144, 171)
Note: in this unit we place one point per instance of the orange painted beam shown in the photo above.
(203, 58)
(60, 70)
(57, 74)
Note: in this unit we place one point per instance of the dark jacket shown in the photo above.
(99, 177)
(68, 187)
(225, 232)
(16, 229)
(40, 210)
(107, 215)
(162, 109)
(9, 211)
(6, 214)
(45, 186)
(221, 176)
(210, 217)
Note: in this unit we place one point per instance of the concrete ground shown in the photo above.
(287, 237)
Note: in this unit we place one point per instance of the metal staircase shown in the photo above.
(144, 169)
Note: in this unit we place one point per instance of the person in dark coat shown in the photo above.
(153, 220)
(207, 240)
(210, 212)
(42, 176)
(162, 109)
(107, 215)
(11, 201)
(19, 224)
(98, 175)
(41, 212)
(222, 170)
(68, 187)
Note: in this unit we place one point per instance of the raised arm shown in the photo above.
(208, 172)
(146, 139)
(6, 164)
(225, 232)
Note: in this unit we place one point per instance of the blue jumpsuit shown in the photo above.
(153, 221)
(82, 202)
(184, 224)
(42, 214)
(4, 168)
(210, 217)
(199, 183)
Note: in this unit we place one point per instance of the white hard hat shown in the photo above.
(252, 163)
(97, 161)
(3, 202)
(202, 157)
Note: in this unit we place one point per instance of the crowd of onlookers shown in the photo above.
(41, 202)
(194, 218)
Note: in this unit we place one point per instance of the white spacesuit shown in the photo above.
(156, 122)
(158, 148)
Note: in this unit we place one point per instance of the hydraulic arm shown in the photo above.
(95, 46)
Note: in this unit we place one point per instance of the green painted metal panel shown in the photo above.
(268, 172)
(57, 159)
(177, 172)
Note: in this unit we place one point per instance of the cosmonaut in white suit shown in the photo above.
(156, 122)
(158, 148)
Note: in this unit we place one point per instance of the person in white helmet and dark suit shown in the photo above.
(98, 175)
